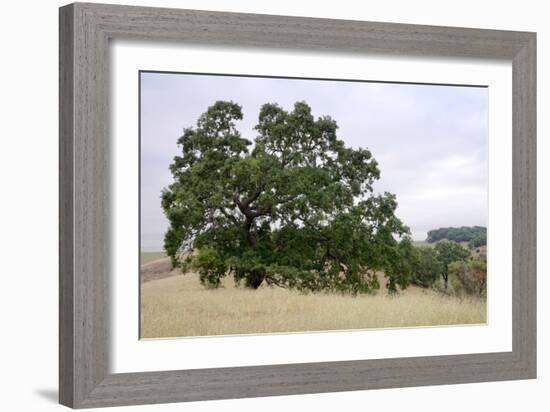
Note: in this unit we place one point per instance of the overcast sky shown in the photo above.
(430, 141)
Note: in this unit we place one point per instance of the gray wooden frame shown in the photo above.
(85, 31)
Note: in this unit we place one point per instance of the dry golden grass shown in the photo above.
(147, 257)
(180, 306)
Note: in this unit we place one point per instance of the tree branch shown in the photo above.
(229, 216)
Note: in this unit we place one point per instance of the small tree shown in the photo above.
(426, 267)
(448, 252)
(296, 210)
(400, 265)
(471, 275)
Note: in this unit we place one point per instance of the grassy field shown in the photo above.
(180, 306)
(419, 243)
(146, 257)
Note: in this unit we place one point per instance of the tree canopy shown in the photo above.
(475, 235)
(293, 208)
(448, 252)
(426, 266)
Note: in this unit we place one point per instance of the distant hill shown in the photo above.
(475, 235)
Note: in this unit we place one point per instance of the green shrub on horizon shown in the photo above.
(475, 235)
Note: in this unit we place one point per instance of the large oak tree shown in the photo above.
(295, 208)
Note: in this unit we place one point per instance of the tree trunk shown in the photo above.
(255, 279)
(250, 234)
(446, 278)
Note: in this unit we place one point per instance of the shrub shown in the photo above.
(478, 240)
(426, 267)
(468, 278)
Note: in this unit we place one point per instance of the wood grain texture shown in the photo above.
(85, 31)
(524, 225)
(66, 229)
(83, 331)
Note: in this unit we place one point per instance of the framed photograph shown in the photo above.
(257, 205)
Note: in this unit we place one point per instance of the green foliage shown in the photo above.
(421, 266)
(297, 210)
(210, 266)
(448, 252)
(478, 241)
(477, 235)
(427, 267)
